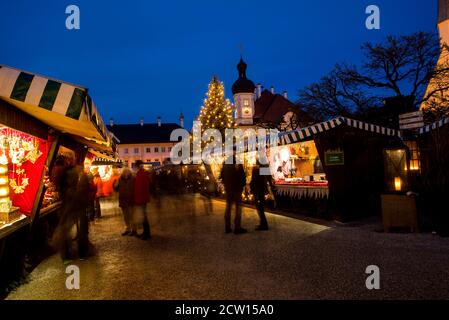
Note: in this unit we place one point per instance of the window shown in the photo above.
(395, 169)
(414, 161)
(156, 160)
(163, 149)
(246, 103)
(156, 149)
(126, 150)
(136, 150)
(148, 160)
(148, 150)
(169, 149)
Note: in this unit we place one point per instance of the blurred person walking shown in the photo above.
(63, 235)
(234, 180)
(82, 205)
(91, 194)
(125, 188)
(99, 194)
(259, 188)
(141, 198)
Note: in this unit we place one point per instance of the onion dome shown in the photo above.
(243, 84)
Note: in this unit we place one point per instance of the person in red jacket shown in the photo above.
(142, 197)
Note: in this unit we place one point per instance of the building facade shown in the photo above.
(148, 142)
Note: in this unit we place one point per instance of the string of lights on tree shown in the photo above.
(216, 112)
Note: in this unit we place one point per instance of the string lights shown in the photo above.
(216, 112)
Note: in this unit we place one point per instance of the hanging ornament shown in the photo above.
(18, 184)
(17, 149)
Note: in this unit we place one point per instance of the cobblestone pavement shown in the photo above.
(190, 257)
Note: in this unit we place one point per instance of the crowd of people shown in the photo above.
(81, 190)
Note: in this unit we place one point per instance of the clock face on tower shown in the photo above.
(244, 103)
(246, 108)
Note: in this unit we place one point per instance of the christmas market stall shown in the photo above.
(433, 182)
(335, 167)
(105, 168)
(43, 122)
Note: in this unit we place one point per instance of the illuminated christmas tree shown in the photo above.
(216, 113)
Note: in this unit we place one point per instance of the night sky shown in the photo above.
(151, 58)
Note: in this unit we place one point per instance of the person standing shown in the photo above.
(99, 184)
(82, 202)
(91, 195)
(68, 218)
(234, 180)
(142, 197)
(125, 188)
(259, 188)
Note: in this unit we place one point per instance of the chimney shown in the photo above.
(272, 89)
(181, 120)
(111, 122)
(285, 94)
(259, 90)
(141, 121)
(159, 121)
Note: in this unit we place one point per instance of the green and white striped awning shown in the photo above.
(61, 105)
(308, 133)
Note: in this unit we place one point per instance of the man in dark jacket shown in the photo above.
(259, 188)
(69, 209)
(125, 188)
(234, 180)
(142, 197)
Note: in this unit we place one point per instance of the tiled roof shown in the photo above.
(272, 107)
(146, 133)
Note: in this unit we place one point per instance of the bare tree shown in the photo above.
(400, 66)
(334, 95)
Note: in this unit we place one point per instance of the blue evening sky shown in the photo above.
(151, 58)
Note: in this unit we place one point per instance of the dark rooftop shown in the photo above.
(146, 133)
(243, 84)
(272, 107)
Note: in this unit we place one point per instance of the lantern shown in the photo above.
(397, 183)
(5, 204)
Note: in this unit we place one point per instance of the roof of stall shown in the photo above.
(308, 133)
(61, 105)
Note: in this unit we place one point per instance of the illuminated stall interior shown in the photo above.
(22, 158)
(297, 163)
(105, 168)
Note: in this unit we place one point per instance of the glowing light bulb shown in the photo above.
(4, 191)
(397, 184)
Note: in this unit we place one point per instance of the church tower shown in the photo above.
(243, 90)
(443, 20)
(443, 30)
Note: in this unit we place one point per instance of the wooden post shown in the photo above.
(41, 191)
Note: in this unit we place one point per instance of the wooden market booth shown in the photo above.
(41, 120)
(433, 181)
(340, 163)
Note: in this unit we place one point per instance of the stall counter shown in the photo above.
(314, 190)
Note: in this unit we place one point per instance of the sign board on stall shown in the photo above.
(411, 120)
(334, 158)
